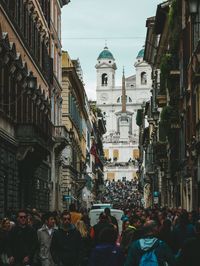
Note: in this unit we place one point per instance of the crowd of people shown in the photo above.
(122, 193)
(149, 237)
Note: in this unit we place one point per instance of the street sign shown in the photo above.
(156, 193)
(155, 200)
(66, 197)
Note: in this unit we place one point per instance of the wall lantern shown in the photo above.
(193, 6)
(155, 115)
(71, 134)
(31, 82)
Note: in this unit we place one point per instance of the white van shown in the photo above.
(102, 206)
(94, 216)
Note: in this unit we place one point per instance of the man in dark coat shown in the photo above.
(22, 241)
(66, 243)
(189, 253)
(104, 222)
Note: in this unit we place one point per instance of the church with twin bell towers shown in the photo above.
(119, 105)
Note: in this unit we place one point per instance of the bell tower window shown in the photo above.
(143, 78)
(104, 79)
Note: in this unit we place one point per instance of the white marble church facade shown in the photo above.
(119, 105)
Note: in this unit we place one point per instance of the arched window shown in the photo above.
(143, 78)
(118, 100)
(130, 100)
(104, 79)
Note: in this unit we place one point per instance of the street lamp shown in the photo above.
(193, 6)
(31, 83)
(156, 115)
(71, 134)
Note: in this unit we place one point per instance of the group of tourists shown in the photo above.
(122, 193)
(149, 237)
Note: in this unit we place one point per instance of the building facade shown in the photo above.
(26, 81)
(119, 105)
(172, 49)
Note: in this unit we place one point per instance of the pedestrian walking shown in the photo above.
(182, 231)
(189, 254)
(75, 215)
(106, 252)
(130, 233)
(86, 242)
(149, 250)
(66, 243)
(23, 241)
(97, 228)
(45, 234)
(4, 242)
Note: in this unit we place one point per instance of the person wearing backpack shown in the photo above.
(149, 250)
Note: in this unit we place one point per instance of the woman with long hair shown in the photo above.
(86, 242)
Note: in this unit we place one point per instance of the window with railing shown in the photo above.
(74, 113)
(196, 29)
(25, 24)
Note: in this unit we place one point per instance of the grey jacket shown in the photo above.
(44, 239)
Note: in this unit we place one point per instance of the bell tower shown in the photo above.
(105, 75)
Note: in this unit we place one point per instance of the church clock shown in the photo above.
(104, 96)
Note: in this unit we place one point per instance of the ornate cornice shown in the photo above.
(37, 13)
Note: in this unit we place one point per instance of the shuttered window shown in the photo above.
(135, 153)
(116, 154)
(110, 176)
(106, 153)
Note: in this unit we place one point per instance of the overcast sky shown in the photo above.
(88, 24)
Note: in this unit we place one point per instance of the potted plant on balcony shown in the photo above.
(170, 120)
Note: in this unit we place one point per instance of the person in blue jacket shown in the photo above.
(148, 242)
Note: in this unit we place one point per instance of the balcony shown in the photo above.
(31, 134)
(161, 100)
(61, 136)
(80, 183)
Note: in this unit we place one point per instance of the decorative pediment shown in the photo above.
(128, 113)
(106, 65)
(133, 77)
(141, 64)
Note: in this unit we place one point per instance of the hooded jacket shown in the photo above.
(139, 247)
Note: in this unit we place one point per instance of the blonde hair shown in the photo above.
(81, 227)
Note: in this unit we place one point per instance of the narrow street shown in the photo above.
(99, 133)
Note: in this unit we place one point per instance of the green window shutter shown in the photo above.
(163, 131)
(139, 117)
